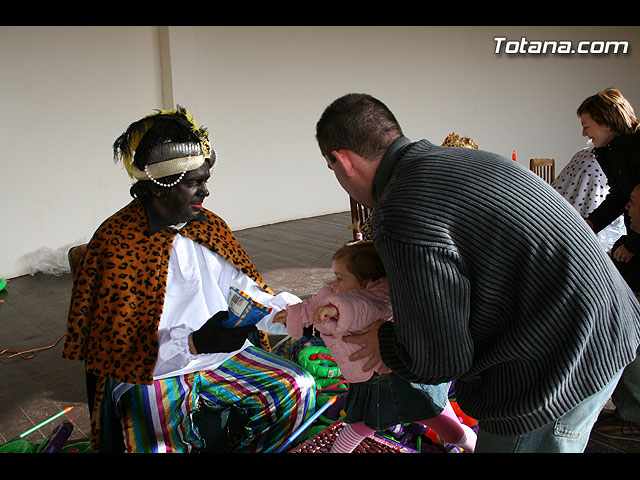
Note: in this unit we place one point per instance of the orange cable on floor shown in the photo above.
(8, 353)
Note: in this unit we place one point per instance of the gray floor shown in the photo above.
(292, 256)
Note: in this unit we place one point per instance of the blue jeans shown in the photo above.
(626, 396)
(567, 434)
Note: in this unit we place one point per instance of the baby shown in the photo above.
(358, 297)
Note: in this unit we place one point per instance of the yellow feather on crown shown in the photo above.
(126, 144)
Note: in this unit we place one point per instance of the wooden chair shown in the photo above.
(545, 168)
(359, 214)
(75, 254)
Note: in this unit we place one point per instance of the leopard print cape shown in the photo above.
(119, 291)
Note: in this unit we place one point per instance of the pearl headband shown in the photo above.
(166, 164)
(168, 168)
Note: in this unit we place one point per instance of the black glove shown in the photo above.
(213, 337)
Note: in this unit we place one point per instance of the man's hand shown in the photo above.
(622, 254)
(214, 338)
(368, 338)
(324, 312)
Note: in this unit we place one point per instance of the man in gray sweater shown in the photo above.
(496, 282)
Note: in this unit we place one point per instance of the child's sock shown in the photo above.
(468, 440)
(350, 437)
(451, 430)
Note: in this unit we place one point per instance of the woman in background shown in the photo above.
(609, 121)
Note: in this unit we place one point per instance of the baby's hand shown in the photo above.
(324, 313)
(280, 317)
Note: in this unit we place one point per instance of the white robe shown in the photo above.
(198, 286)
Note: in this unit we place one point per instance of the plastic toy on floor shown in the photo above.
(56, 442)
(420, 438)
(411, 435)
(318, 362)
(3, 284)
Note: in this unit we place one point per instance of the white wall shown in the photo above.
(68, 92)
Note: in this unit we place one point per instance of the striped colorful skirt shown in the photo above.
(271, 396)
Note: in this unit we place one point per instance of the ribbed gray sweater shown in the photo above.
(498, 283)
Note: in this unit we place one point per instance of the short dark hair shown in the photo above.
(357, 122)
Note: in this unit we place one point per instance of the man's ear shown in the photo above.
(345, 159)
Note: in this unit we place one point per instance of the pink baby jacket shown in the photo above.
(356, 310)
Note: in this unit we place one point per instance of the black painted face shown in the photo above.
(183, 201)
